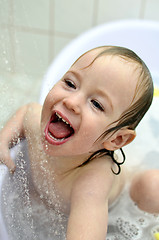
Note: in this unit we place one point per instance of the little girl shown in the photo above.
(63, 186)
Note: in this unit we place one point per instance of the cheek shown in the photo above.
(95, 124)
(53, 95)
(90, 132)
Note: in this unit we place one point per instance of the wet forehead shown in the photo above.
(87, 58)
(91, 56)
(114, 63)
(119, 74)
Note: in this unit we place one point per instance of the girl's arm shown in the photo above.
(9, 136)
(89, 207)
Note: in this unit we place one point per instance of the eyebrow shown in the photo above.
(76, 74)
(101, 92)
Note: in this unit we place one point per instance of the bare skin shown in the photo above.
(77, 188)
(85, 192)
(144, 190)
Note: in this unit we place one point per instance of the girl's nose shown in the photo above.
(72, 103)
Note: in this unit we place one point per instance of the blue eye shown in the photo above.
(97, 105)
(70, 84)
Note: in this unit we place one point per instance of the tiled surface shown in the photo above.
(15, 91)
(152, 10)
(115, 10)
(34, 61)
(6, 54)
(4, 11)
(59, 43)
(32, 33)
(33, 14)
(73, 16)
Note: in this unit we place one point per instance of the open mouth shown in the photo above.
(58, 129)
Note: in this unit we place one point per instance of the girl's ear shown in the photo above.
(119, 139)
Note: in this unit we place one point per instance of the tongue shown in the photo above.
(60, 130)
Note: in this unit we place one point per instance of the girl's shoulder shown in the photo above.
(33, 113)
(33, 109)
(96, 175)
(32, 116)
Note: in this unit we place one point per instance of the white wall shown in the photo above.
(32, 32)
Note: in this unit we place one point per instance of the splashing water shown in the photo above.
(26, 216)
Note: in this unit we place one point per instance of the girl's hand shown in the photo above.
(5, 158)
(9, 136)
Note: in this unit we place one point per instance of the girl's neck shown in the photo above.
(63, 165)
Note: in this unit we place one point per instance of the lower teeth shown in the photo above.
(56, 139)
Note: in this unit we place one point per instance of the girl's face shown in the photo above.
(80, 107)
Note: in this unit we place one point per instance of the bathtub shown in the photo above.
(142, 37)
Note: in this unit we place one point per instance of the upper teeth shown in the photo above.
(62, 118)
